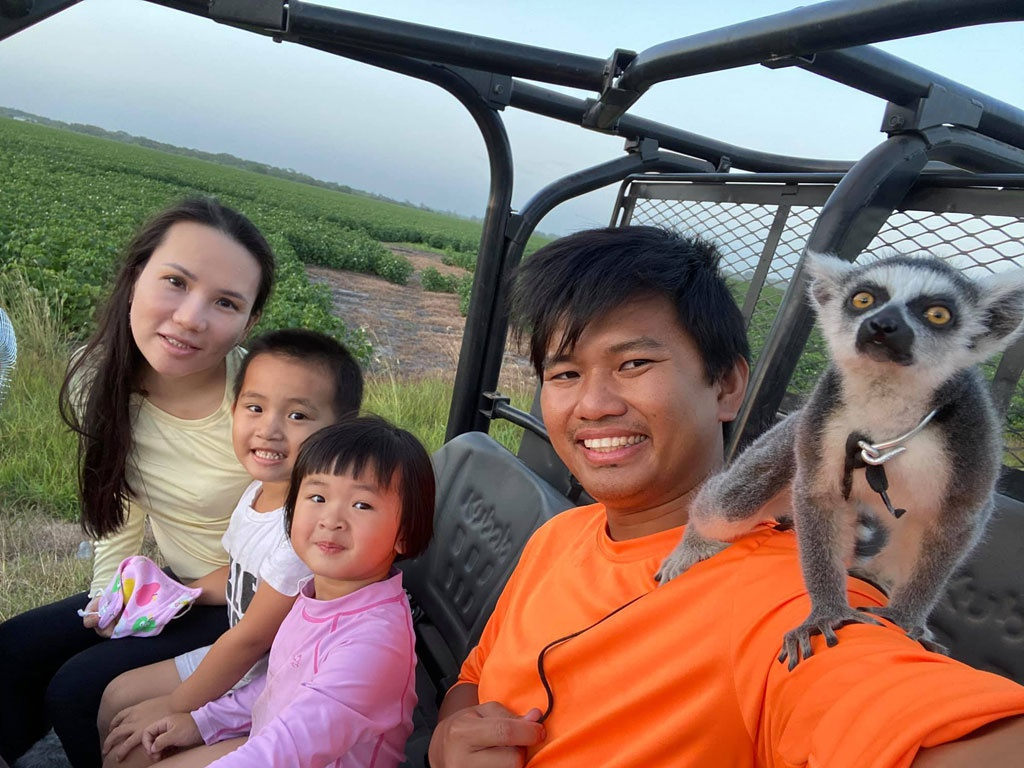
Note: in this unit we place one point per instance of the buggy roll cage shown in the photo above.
(949, 151)
(939, 132)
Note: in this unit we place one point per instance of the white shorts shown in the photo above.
(188, 663)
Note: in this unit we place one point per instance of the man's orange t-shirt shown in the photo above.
(688, 674)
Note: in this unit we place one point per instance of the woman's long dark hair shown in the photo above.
(94, 399)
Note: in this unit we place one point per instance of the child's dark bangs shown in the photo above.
(363, 462)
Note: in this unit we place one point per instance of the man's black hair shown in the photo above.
(570, 282)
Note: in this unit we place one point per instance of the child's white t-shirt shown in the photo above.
(258, 550)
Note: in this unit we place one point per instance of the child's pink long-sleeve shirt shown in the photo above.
(339, 690)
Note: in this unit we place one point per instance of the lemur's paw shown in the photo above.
(933, 646)
(796, 644)
(687, 554)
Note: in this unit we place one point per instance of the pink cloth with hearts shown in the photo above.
(143, 599)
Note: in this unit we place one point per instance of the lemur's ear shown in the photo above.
(825, 273)
(1002, 302)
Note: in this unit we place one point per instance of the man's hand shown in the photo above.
(177, 730)
(485, 735)
(128, 725)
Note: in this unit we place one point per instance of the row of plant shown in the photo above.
(432, 279)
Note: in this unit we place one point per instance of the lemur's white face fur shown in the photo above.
(913, 315)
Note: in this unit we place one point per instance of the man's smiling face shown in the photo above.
(631, 414)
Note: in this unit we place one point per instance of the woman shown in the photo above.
(148, 396)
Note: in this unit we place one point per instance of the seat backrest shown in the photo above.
(981, 616)
(488, 504)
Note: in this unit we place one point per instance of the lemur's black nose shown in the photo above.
(886, 335)
(883, 324)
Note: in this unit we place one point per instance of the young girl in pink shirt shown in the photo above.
(340, 685)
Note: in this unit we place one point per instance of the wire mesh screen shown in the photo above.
(761, 230)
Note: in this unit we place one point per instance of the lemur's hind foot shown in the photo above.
(915, 631)
(692, 549)
(796, 644)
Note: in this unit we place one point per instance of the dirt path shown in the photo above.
(414, 332)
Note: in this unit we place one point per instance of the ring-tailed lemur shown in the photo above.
(905, 335)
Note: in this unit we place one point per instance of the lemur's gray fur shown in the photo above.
(893, 362)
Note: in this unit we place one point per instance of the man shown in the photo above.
(586, 661)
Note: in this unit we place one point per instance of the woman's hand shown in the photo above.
(91, 619)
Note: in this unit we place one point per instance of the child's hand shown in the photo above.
(91, 619)
(177, 730)
(127, 726)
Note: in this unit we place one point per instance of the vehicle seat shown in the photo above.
(981, 615)
(488, 504)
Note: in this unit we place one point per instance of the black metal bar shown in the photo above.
(1004, 382)
(542, 101)
(497, 406)
(973, 152)
(588, 180)
(356, 35)
(764, 261)
(270, 15)
(802, 31)
(852, 216)
(480, 338)
(484, 336)
(317, 22)
(881, 74)
(928, 179)
(16, 15)
(195, 7)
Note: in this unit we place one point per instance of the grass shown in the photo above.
(37, 452)
(39, 536)
(37, 560)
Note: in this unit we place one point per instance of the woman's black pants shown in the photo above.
(53, 672)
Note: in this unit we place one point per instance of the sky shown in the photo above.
(132, 66)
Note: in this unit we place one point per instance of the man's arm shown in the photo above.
(469, 733)
(459, 696)
(1000, 743)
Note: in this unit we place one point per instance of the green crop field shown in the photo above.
(69, 203)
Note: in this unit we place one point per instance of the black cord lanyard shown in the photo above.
(559, 641)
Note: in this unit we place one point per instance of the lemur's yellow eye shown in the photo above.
(938, 315)
(862, 300)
